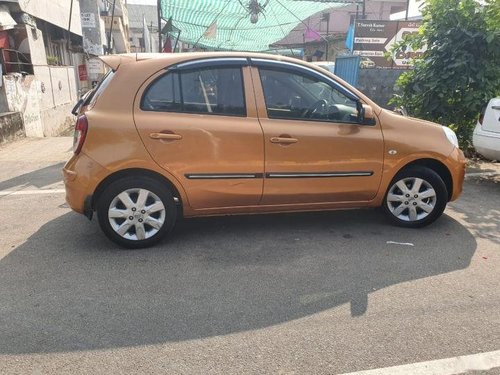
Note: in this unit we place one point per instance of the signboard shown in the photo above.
(372, 39)
(88, 20)
(95, 68)
(82, 72)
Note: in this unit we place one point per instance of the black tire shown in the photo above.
(158, 189)
(432, 179)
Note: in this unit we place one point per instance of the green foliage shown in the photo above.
(52, 60)
(460, 71)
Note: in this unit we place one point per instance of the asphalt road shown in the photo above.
(313, 293)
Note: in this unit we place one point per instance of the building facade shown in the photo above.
(40, 50)
(333, 24)
(143, 28)
(105, 29)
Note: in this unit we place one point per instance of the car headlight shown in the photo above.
(450, 134)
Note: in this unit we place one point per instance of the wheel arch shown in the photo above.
(135, 172)
(436, 166)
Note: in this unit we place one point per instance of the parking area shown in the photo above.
(319, 293)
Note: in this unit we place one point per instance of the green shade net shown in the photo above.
(234, 30)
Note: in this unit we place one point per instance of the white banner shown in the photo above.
(370, 40)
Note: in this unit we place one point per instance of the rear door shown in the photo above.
(198, 121)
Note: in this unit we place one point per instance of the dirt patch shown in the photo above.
(482, 166)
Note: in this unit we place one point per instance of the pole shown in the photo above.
(304, 43)
(407, 9)
(327, 32)
(68, 46)
(176, 41)
(363, 15)
(111, 26)
(160, 42)
(151, 37)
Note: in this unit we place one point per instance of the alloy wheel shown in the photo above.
(411, 199)
(136, 214)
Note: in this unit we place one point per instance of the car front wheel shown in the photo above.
(416, 197)
(136, 212)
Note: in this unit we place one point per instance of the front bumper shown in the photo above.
(456, 163)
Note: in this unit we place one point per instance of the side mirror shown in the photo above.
(366, 115)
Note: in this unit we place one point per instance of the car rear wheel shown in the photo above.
(416, 197)
(136, 212)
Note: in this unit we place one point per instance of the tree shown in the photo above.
(460, 71)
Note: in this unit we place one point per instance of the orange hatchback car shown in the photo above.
(195, 134)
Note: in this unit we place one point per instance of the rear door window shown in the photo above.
(164, 94)
(217, 91)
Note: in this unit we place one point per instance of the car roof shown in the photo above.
(114, 61)
(152, 62)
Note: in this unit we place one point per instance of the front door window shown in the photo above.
(294, 96)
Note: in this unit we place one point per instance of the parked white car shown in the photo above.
(486, 138)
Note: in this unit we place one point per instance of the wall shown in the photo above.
(45, 99)
(335, 47)
(379, 84)
(22, 94)
(92, 28)
(58, 94)
(55, 12)
(34, 45)
(11, 125)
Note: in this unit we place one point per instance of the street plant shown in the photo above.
(460, 70)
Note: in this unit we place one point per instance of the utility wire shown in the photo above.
(301, 21)
(283, 31)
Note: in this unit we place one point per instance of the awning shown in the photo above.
(246, 25)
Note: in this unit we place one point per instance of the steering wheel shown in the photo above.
(320, 104)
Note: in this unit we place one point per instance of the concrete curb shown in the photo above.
(481, 174)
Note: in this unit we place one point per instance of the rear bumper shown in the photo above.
(80, 181)
(486, 143)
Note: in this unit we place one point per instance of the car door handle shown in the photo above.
(169, 136)
(284, 140)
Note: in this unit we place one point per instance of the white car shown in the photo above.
(486, 138)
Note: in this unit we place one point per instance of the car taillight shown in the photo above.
(81, 128)
(481, 115)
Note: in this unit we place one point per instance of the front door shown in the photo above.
(199, 123)
(316, 149)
